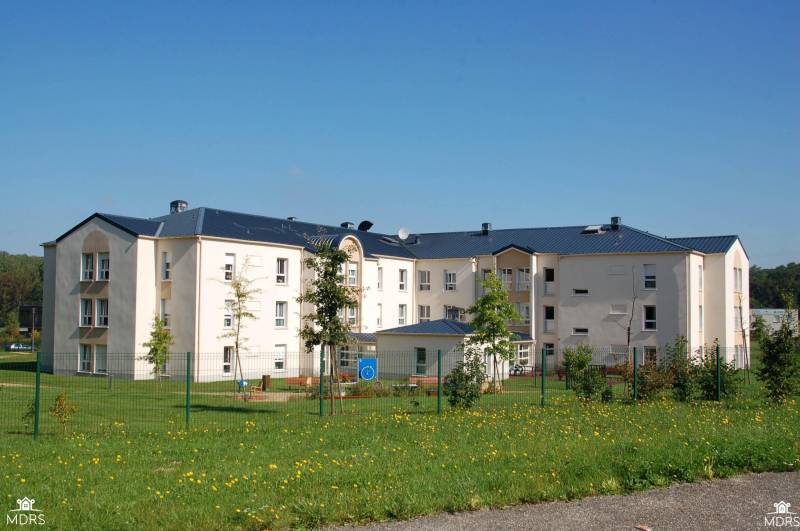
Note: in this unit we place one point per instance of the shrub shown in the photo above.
(370, 389)
(463, 383)
(652, 380)
(706, 373)
(780, 362)
(63, 411)
(683, 370)
(586, 381)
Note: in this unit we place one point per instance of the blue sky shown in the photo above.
(683, 118)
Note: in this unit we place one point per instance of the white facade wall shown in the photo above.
(466, 270)
(390, 296)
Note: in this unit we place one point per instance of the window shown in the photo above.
(165, 313)
(279, 360)
(738, 322)
(650, 318)
(650, 354)
(580, 292)
(549, 318)
(227, 317)
(102, 312)
(345, 356)
(737, 279)
(523, 354)
(700, 317)
(421, 361)
(166, 267)
(506, 275)
(85, 362)
(230, 266)
(101, 359)
(700, 277)
(549, 349)
(103, 266)
(280, 314)
(380, 315)
(352, 315)
(524, 279)
(649, 273)
(86, 312)
(401, 314)
(619, 309)
(227, 356)
(449, 281)
(380, 279)
(352, 274)
(403, 284)
(424, 280)
(424, 314)
(580, 331)
(549, 281)
(281, 270)
(454, 313)
(87, 266)
(524, 311)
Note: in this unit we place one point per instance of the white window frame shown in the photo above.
(424, 277)
(650, 354)
(279, 358)
(165, 313)
(450, 280)
(449, 307)
(100, 351)
(403, 280)
(700, 317)
(549, 323)
(649, 277)
(700, 277)
(526, 349)
(579, 331)
(649, 325)
(380, 279)
(352, 315)
(352, 274)
(424, 313)
(281, 271)
(101, 319)
(549, 349)
(87, 313)
(227, 359)
(281, 311)
(402, 314)
(227, 315)
(87, 267)
(417, 365)
(524, 279)
(507, 277)
(525, 312)
(85, 358)
(230, 267)
(738, 280)
(166, 267)
(344, 357)
(103, 270)
(379, 320)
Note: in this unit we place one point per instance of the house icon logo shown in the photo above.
(25, 514)
(781, 507)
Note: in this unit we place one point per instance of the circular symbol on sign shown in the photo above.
(367, 372)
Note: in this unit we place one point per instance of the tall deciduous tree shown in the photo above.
(492, 312)
(158, 347)
(328, 295)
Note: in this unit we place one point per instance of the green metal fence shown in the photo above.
(68, 393)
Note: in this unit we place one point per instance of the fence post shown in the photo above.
(188, 388)
(321, 380)
(439, 382)
(719, 378)
(38, 395)
(635, 375)
(544, 374)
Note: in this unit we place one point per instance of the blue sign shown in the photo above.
(367, 368)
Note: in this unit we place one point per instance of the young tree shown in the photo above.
(12, 326)
(242, 295)
(780, 361)
(492, 312)
(158, 346)
(328, 295)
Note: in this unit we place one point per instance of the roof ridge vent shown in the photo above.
(593, 229)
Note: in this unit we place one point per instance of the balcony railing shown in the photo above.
(524, 285)
(549, 288)
(550, 325)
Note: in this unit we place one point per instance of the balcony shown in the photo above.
(549, 326)
(549, 288)
(524, 285)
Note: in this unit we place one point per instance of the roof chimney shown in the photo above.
(486, 228)
(346, 224)
(615, 222)
(292, 218)
(177, 206)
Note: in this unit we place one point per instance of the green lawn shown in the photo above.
(265, 465)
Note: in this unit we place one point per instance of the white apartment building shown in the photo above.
(107, 277)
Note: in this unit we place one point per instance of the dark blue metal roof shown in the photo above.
(707, 244)
(558, 240)
(361, 337)
(443, 327)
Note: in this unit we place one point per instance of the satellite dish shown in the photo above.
(402, 233)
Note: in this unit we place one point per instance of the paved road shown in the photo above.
(735, 503)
